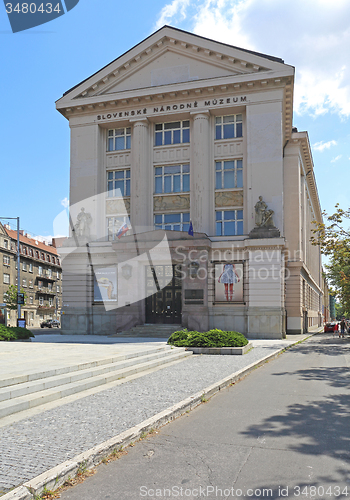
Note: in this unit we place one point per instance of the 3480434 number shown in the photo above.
(32, 8)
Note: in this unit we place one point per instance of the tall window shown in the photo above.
(172, 133)
(6, 278)
(30, 283)
(228, 127)
(6, 244)
(24, 282)
(6, 260)
(31, 299)
(40, 270)
(114, 224)
(30, 267)
(229, 222)
(118, 139)
(172, 179)
(229, 174)
(118, 179)
(41, 301)
(24, 266)
(40, 285)
(173, 222)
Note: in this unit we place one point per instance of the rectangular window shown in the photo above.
(24, 282)
(6, 260)
(172, 133)
(6, 279)
(50, 301)
(229, 174)
(58, 288)
(31, 299)
(172, 179)
(24, 266)
(228, 127)
(40, 285)
(32, 315)
(119, 139)
(40, 270)
(30, 268)
(118, 180)
(49, 287)
(58, 275)
(41, 301)
(229, 222)
(114, 224)
(172, 222)
(49, 273)
(30, 283)
(6, 244)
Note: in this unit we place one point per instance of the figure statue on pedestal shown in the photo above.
(82, 226)
(263, 216)
(264, 226)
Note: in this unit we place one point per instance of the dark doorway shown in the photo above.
(164, 306)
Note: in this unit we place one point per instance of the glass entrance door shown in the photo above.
(165, 305)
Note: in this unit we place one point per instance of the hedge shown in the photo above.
(212, 338)
(8, 333)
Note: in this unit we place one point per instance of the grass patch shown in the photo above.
(212, 338)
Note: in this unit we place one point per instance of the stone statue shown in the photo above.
(82, 226)
(263, 216)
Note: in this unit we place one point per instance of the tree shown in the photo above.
(10, 297)
(334, 241)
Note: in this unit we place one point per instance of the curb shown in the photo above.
(223, 351)
(55, 477)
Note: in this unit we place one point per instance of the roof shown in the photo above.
(271, 58)
(38, 245)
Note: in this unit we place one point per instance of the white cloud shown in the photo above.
(336, 158)
(65, 202)
(313, 36)
(321, 146)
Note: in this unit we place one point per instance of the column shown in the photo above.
(141, 177)
(201, 174)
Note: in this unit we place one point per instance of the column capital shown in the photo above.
(143, 120)
(204, 113)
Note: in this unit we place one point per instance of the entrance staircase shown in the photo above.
(19, 393)
(150, 330)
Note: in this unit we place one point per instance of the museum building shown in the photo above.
(192, 195)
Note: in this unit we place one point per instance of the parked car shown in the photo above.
(50, 323)
(331, 327)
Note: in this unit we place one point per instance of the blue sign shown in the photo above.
(26, 15)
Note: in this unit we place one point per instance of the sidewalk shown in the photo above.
(36, 444)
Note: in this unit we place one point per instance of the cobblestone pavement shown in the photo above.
(34, 445)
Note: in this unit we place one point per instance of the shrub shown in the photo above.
(212, 338)
(8, 333)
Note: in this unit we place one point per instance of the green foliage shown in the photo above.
(8, 333)
(11, 297)
(334, 241)
(212, 338)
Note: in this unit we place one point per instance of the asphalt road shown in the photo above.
(282, 432)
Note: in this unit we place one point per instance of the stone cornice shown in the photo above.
(302, 139)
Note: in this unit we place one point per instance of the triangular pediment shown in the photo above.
(171, 56)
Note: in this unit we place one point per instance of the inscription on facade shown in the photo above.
(174, 107)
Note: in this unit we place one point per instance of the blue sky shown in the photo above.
(40, 64)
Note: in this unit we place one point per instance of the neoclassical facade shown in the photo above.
(192, 196)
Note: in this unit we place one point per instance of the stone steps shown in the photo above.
(44, 387)
(150, 330)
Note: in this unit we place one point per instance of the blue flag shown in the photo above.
(190, 229)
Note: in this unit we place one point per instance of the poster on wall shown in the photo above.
(105, 284)
(228, 282)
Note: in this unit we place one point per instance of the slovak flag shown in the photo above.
(122, 230)
(190, 229)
